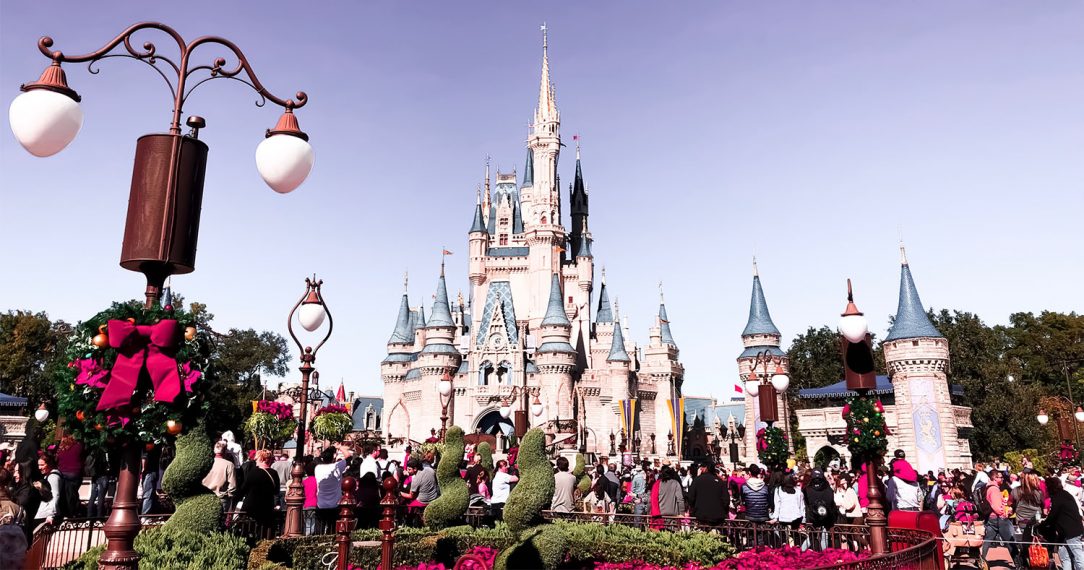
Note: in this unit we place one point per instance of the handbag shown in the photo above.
(1038, 557)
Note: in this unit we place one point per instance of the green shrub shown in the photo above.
(542, 547)
(178, 549)
(451, 505)
(486, 451)
(535, 488)
(583, 479)
(617, 543)
(201, 513)
(184, 476)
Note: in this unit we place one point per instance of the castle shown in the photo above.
(529, 338)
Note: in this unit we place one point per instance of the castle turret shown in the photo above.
(759, 337)
(555, 356)
(660, 377)
(478, 245)
(579, 210)
(440, 356)
(917, 358)
(400, 346)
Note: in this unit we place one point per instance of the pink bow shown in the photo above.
(90, 373)
(142, 347)
(189, 376)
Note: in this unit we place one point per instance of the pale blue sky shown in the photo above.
(812, 134)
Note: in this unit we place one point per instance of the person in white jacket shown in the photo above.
(789, 504)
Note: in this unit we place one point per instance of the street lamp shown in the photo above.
(734, 435)
(861, 376)
(765, 386)
(1042, 417)
(41, 414)
(312, 310)
(167, 180)
(167, 187)
(445, 389)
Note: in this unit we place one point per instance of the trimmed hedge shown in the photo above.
(486, 451)
(560, 544)
(583, 480)
(178, 549)
(198, 509)
(535, 488)
(451, 505)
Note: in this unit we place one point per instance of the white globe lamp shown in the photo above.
(46, 117)
(536, 407)
(311, 315)
(1079, 415)
(753, 387)
(41, 414)
(285, 158)
(506, 410)
(780, 382)
(1042, 417)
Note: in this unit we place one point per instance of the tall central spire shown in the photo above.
(547, 107)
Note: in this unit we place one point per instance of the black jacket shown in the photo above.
(820, 503)
(709, 500)
(1064, 519)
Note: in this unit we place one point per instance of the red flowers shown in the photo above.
(280, 410)
(331, 409)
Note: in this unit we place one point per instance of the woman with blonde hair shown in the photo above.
(1027, 501)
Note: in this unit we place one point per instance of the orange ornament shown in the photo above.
(190, 333)
(174, 427)
(98, 427)
(79, 415)
(131, 320)
(100, 340)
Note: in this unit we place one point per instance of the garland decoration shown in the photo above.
(1068, 454)
(272, 423)
(134, 375)
(867, 432)
(772, 447)
(331, 422)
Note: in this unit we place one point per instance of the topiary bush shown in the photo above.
(583, 480)
(542, 547)
(198, 509)
(167, 548)
(535, 488)
(486, 451)
(451, 505)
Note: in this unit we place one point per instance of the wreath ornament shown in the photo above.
(772, 447)
(867, 432)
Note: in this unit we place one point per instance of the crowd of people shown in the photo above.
(985, 506)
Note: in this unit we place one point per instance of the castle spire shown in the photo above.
(604, 313)
(528, 169)
(555, 311)
(403, 332)
(479, 224)
(664, 321)
(441, 315)
(760, 321)
(617, 348)
(911, 319)
(547, 107)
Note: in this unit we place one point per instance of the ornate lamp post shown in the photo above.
(861, 376)
(765, 387)
(445, 389)
(310, 310)
(167, 181)
(167, 186)
(536, 409)
(734, 436)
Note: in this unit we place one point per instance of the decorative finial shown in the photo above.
(406, 282)
(577, 139)
(662, 299)
(903, 254)
(545, 37)
(617, 309)
(603, 274)
(756, 271)
(478, 195)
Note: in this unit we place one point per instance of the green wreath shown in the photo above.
(773, 448)
(138, 408)
(867, 432)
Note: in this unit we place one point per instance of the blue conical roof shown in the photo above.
(604, 313)
(760, 321)
(584, 249)
(617, 349)
(479, 224)
(441, 315)
(664, 325)
(577, 184)
(911, 319)
(403, 332)
(555, 312)
(528, 170)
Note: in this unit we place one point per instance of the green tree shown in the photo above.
(815, 359)
(30, 347)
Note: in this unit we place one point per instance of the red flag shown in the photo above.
(738, 389)
(341, 394)
(446, 252)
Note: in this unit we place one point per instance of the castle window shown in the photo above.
(504, 239)
(543, 220)
(570, 299)
(914, 343)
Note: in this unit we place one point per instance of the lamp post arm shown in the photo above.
(149, 54)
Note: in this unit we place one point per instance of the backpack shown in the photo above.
(930, 502)
(819, 511)
(982, 505)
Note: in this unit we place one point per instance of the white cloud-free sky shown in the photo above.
(811, 134)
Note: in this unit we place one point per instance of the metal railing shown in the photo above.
(909, 549)
(57, 544)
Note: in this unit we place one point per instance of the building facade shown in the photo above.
(922, 418)
(536, 324)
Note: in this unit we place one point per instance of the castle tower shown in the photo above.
(579, 211)
(917, 359)
(555, 356)
(478, 243)
(438, 357)
(400, 346)
(603, 328)
(659, 379)
(760, 336)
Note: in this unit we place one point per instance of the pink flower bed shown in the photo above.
(486, 554)
(785, 558)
